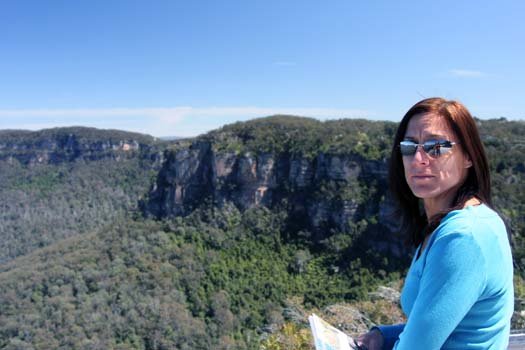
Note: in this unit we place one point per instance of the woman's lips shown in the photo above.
(422, 177)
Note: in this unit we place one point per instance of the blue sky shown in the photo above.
(185, 67)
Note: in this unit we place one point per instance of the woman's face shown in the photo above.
(434, 178)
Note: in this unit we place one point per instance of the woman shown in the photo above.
(458, 293)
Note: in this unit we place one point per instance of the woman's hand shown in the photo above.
(372, 340)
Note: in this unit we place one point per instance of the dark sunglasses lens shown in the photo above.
(432, 148)
(407, 148)
(437, 148)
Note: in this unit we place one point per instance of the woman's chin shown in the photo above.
(423, 193)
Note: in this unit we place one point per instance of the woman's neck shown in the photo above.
(434, 206)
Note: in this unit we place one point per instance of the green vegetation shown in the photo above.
(63, 136)
(76, 187)
(505, 144)
(91, 273)
(45, 203)
(307, 137)
(209, 280)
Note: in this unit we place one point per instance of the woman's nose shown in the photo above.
(420, 156)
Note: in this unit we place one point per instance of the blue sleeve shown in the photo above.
(452, 281)
(390, 334)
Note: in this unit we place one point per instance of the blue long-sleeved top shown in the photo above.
(458, 293)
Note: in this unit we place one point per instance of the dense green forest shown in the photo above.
(92, 272)
(210, 280)
(504, 143)
(306, 136)
(57, 183)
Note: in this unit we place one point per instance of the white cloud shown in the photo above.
(466, 73)
(170, 121)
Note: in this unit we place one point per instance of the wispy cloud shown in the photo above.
(171, 121)
(467, 73)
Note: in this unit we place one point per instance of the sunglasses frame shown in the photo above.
(433, 148)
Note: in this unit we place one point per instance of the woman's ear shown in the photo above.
(467, 163)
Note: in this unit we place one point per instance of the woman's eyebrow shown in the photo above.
(428, 136)
(441, 136)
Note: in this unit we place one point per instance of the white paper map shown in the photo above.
(327, 337)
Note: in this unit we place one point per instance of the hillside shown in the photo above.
(211, 280)
(57, 183)
(239, 233)
(329, 176)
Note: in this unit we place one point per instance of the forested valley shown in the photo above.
(115, 240)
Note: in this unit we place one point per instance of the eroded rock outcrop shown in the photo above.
(324, 194)
(53, 146)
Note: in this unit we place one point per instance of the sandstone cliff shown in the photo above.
(324, 194)
(53, 146)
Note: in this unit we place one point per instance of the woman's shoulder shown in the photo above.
(479, 223)
(474, 237)
(469, 220)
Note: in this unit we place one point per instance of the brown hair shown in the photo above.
(477, 183)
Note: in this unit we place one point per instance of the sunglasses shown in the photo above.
(433, 148)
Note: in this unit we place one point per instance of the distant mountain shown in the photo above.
(118, 240)
(60, 182)
(327, 176)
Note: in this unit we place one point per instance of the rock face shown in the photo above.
(321, 194)
(53, 146)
